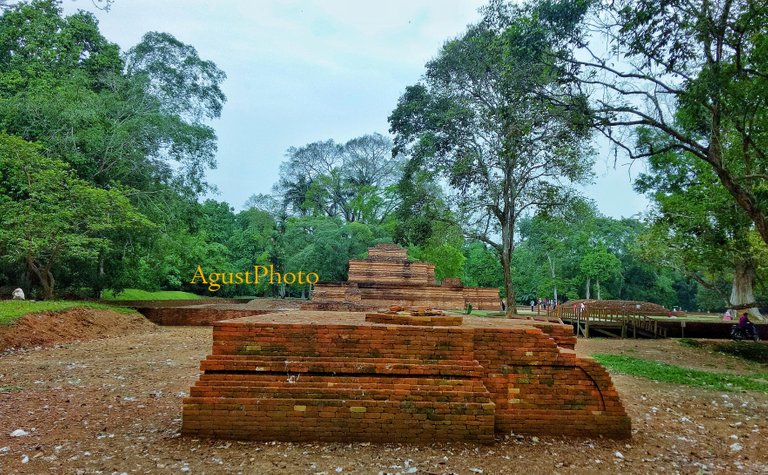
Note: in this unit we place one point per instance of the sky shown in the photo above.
(308, 70)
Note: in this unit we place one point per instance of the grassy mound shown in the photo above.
(137, 294)
(12, 310)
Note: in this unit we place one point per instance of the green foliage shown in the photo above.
(49, 215)
(563, 250)
(122, 145)
(698, 229)
(667, 373)
(448, 260)
(12, 310)
(482, 267)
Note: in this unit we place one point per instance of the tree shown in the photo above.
(482, 267)
(422, 211)
(133, 124)
(700, 229)
(50, 216)
(354, 181)
(599, 264)
(695, 74)
(137, 119)
(477, 120)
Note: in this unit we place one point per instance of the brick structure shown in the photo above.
(195, 316)
(387, 277)
(339, 376)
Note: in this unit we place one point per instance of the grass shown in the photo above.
(12, 310)
(137, 294)
(10, 388)
(748, 350)
(667, 373)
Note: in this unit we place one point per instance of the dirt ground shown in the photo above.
(79, 324)
(114, 406)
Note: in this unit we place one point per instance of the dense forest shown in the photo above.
(104, 153)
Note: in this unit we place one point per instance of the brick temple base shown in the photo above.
(332, 376)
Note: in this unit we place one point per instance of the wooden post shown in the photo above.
(586, 324)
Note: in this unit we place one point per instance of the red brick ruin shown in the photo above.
(397, 376)
(387, 278)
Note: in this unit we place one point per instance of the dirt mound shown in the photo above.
(79, 324)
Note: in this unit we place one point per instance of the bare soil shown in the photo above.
(79, 324)
(114, 406)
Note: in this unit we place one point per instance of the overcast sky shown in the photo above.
(308, 70)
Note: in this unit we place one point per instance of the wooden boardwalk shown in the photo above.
(625, 323)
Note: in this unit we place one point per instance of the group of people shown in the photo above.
(544, 304)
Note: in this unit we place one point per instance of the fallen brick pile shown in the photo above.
(334, 376)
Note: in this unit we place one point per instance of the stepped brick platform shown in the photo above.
(387, 278)
(340, 376)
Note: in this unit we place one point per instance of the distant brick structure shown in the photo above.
(194, 316)
(387, 277)
(339, 376)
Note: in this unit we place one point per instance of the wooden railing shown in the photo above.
(600, 320)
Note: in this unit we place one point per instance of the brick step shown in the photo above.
(323, 380)
(332, 388)
(374, 394)
(338, 365)
(337, 420)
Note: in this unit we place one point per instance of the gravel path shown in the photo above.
(114, 406)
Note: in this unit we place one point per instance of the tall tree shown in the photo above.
(478, 120)
(694, 72)
(134, 124)
(698, 228)
(354, 181)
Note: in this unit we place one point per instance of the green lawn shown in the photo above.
(12, 310)
(668, 373)
(137, 294)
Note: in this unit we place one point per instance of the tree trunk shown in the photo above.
(507, 246)
(742, 295)
(597, 282)
(45, 276)
(589, 284)
(552, 273)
